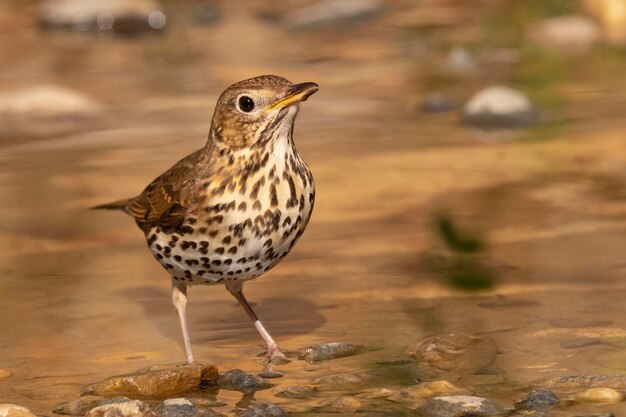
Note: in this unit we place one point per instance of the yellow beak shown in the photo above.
(299, 92)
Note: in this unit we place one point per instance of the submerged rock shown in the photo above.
(456, 351)
(327, 351)
(462, 405)
(160, 381)
(12, 410)
(122, 16)
(333, 12)
(131, 408)
(577, 382)
(297, 391)
(347, 404)
(45, 110)
(408, 395)
(567, 35)
(238, 380)
(393, 374)
(499, 106)
(79, 406)
(599, 395)
(261, 409)
(538, 399)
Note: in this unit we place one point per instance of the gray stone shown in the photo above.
(261, 409)
(327, 351)
(297, 391)
(45, 110)
(238, 380)
(438, 103)
(12, 410)
(456, 351)
(182, 407)
(158, 382)
(458, 406)
(577, 382)
(80, 406)
(538, 399)
(131, 408)
(121, 16)
(499, 106)
(333, 12)
(566, 35)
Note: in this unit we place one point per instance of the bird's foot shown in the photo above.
(275, 357)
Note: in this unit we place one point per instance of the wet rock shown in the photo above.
(499, 106)
(120, 16)
(262, 409)
(45, 110)
(5, 373)
(238, 380)
(599, 395)
(438, 103)
(612, 18)
(207, 402)
(456, 351)
(12, 410)
(398, 374)
(577, 382)
(270, 375)
(182, 407)
(132, 408)
(409, 395)
(78, 407)
(114, 400)
(347, 404)
(457, 406)
(327, 351)
(333, 12)
(580, 342)
(538, 399)
(296, 391)
(568, 35)
(159, 382)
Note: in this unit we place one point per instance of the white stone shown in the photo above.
(12, 410)
(132, 408)
(498, 100)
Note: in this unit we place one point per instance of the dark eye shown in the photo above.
(246, 104)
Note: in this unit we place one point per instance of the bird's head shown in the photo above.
(253, 111)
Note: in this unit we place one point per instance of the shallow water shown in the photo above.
(82, 299)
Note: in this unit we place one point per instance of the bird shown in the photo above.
(230, 211)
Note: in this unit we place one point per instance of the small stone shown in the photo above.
(158, 382)
(132, 408)
(438, 103)
(599, 395)
(270, 375)
(121, 16)
(333, 12)
(5, 373)
(297, 391)
(261, 409)
(499, 106)
(12, 410)
(567, 35)
(538, 399)
(577, 382)
(44, 111)
(327, 351)
(238, 380)
(462, 405)
(456, 351)
(80, 406)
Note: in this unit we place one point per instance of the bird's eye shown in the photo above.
(245, 104)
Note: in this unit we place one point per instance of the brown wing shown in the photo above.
(167, 200)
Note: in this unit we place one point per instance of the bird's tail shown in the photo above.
(116, 205)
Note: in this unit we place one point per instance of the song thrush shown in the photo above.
(232, 210)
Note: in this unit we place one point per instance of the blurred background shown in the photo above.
(470, 161)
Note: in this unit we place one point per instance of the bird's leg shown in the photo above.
(273, 351)
(179, 299)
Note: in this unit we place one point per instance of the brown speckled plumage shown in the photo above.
(232, 210)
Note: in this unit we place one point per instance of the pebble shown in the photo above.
(333, 13)
(296, 391)
(599, 395)
(499, 106)
(46, 110)
(566, 35)
(262, 409)
(327, 351)
(577, 382)
(456, 351)
(158, 382)
(538, 399)
(79, 406)
(12, 410)
(238, 380)
(611, 14)
(270, 375)
(462, 405)
(438, 103)
(131, 408)
(121, 16)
